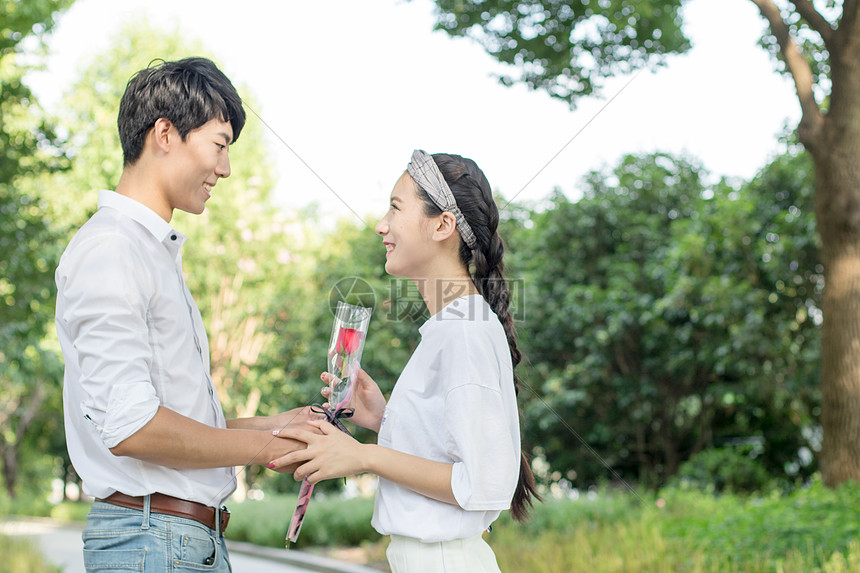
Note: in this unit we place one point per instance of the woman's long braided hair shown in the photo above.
(474, 197)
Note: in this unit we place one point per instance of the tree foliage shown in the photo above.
(817, 44)
(663, 315)
(678, 319)
(568, 48)
(28, 145)
(23, 20)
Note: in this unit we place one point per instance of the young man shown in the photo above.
(144, 425)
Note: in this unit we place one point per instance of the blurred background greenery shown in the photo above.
(670, 320)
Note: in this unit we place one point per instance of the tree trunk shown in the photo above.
(10, 445)
(837, 206)
(10, 470)
(840, 334)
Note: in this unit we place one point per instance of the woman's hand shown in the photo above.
(367, 400)
(334, 454)
(330, 454)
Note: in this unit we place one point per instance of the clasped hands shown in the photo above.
(330, 453)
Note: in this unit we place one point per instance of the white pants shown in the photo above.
(473, 555)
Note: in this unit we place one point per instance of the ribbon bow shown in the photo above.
(334, 417)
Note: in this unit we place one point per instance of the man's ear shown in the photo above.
(163, 135)
(446, 225)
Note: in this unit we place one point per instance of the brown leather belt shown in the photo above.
(169, 505)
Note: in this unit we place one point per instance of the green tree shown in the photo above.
(672, 323)
(28, 146)
(565, 48)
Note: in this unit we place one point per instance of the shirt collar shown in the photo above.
(467, 307)
(139, 212)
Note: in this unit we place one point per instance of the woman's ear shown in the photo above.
(446, 226)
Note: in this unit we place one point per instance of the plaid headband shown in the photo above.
(426, 174)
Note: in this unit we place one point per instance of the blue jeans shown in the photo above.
(119, 539)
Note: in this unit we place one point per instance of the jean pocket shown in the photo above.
(113, 560)
(197, 551)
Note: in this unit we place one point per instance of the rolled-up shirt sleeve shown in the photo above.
(480, 436)
(106, 291)
(479, 433)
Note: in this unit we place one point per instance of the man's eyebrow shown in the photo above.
(396, 198)
(227, 138)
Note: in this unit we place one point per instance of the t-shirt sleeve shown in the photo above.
(107, 288)
(478, 426)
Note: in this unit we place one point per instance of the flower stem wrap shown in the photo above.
(346, 344)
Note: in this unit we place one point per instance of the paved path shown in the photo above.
(61, 544)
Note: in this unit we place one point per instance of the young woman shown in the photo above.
(448, 455)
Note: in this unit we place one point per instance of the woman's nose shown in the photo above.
(381, 227)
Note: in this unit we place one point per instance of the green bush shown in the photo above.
(71, 511)
(36, 504)
(329, 521)
(731, 469)
(339, 522)
(813, 530)
(22, 555)
(815, 521)
(25, 504)
(566, 514)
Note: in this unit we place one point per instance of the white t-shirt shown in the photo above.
(455, 403)
(133, 340)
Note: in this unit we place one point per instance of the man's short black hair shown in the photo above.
(187, 92)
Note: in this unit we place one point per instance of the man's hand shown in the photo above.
(176, 441)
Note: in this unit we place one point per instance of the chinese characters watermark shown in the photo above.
(402, 299)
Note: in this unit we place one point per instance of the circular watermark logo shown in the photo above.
(352, 290)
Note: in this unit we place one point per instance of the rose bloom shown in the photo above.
(348, 340)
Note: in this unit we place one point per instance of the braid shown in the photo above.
(489, 279)
(490, 282)
(474, 197)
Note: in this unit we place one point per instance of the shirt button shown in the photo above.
(172, 237)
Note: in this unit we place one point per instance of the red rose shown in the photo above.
(348, 340)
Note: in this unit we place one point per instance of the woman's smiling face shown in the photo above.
(406, 231)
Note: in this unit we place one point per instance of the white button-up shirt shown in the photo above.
(454, 402)
(133, 340)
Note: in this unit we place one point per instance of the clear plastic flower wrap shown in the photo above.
(345, 348)
(344, 353)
